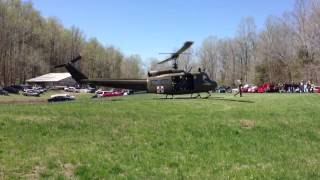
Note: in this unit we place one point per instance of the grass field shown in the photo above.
(259, 136)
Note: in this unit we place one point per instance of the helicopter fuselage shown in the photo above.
(168, 82)
(180, 83)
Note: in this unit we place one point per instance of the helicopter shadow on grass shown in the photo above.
(209, 98)
(106, 99)
(231, 100)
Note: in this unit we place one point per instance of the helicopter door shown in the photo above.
(176, 83)
(189, 82)
(182, 83)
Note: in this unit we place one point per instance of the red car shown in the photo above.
(265, 88)
(110, 93)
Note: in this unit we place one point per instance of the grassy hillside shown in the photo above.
(264, 136)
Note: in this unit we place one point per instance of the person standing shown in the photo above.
(239, 82)
(301, 87)
(309, 86)
(312, 87)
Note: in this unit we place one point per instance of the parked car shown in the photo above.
(235, 90)
(110, 94)
(87, 90)
(72, 89)
(3, 92)
(245, 88)
(18, 87)
(11, 89)
(31, 92)
(58, 88)
(224, 89)
(97, 93)
(84, 91)
(38, 89)
(316, 89)
(253, 89)
(91, 89)
(128, 91)
(61, 97)
(249, 88)
(266, 88)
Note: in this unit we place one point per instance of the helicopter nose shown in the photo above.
(214, 85)
(210, 86)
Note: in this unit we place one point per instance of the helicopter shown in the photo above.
(168, 82)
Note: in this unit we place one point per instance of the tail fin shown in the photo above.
(75, 73)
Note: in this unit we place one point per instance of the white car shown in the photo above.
(71, 89)
(235, 90)
(85, 90)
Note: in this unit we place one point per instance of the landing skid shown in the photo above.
(206, 97)
(168, 95)
(191, 97)
(199, 96)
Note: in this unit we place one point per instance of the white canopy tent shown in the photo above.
(53, 79)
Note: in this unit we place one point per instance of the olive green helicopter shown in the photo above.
(168, 82)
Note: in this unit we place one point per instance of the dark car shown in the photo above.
(61, 97)
(3, 92)
(11, 89)
(21, 87)
(91, 89)
(224, 89)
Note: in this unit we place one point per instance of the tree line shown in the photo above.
(30, 45)
(286, 49)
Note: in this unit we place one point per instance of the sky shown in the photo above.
(148, 27)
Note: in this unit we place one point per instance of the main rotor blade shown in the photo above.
(175, 55)
(164, 61)
(186, 46)
(59, 66)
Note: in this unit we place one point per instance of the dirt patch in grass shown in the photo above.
(23, 101)
(35, 173)
(261, 166)
(1, 172)
(248, 124)
(68, 170)
(35, 118)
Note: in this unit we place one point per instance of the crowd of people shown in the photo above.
(293, 87)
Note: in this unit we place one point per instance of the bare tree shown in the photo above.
(208, 56)
(247, 45)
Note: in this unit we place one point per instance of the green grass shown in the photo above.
(259, 136)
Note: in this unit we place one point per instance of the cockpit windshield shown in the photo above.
(205, 78)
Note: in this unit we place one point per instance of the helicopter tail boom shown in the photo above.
(75, 73)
